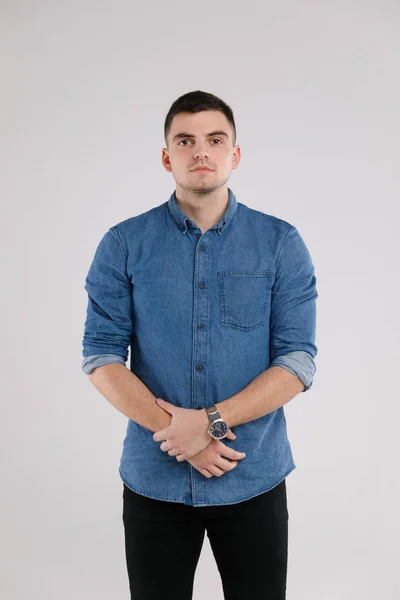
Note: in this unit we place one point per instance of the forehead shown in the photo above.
(200, 123)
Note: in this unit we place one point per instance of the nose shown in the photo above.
(199, 153)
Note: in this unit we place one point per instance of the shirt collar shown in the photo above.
(184, 222)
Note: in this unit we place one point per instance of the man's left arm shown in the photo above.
(292, 338)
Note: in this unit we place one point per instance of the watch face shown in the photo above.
(219, 429)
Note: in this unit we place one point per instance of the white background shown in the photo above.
(85, 88)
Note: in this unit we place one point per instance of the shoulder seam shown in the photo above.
(289, 232)
(120, 243)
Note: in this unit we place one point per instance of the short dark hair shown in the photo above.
(197, 101)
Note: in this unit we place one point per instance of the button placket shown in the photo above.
(200, 312)
(200, 341)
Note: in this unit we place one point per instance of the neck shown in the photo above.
(204, 209)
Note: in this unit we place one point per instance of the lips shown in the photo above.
(202, 169)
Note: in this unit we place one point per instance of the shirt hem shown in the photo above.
(137, 491)
(142, 493)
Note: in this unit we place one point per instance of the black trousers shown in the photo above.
(249, 540)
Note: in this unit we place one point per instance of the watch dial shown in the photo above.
(219, 429)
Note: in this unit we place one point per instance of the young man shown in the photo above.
(217, 302)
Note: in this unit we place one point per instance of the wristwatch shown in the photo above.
(218, 428)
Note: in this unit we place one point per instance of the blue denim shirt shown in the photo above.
(203, 315)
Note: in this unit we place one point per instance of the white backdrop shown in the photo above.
(315, 90)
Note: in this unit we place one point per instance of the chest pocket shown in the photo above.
(244, 298)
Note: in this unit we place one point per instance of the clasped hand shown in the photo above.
(186, 435)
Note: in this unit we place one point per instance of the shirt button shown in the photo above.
(201, 284)
(199, 367)
(200, 325)
(202, 247)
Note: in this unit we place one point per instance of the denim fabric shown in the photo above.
(203, 315)
(299, 363)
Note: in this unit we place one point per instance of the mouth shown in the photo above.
(203, 169)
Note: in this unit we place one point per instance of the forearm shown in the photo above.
(128, 394)
(270, 390)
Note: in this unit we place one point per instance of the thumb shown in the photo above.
(230, 435)
(165, 405)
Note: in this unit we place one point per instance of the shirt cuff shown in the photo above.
(97, 360)
(299, 363)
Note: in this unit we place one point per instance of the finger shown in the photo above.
(230, 435)
(225, 464)
(207, 473)
(216, 470)
(165, 446)
(159, 435)
(229, 452)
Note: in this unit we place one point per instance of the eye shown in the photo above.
(220, 142)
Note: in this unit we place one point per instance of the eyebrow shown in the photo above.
(190, 135)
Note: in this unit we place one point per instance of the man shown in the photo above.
(217, 302)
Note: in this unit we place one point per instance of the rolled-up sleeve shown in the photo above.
(108, 327)
(299, 363)
(97, 360)
(293, 310)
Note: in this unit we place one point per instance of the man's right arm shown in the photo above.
(107, 335)
(128, 394)
(108, 331)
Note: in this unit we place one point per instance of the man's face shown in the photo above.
(190, 145)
